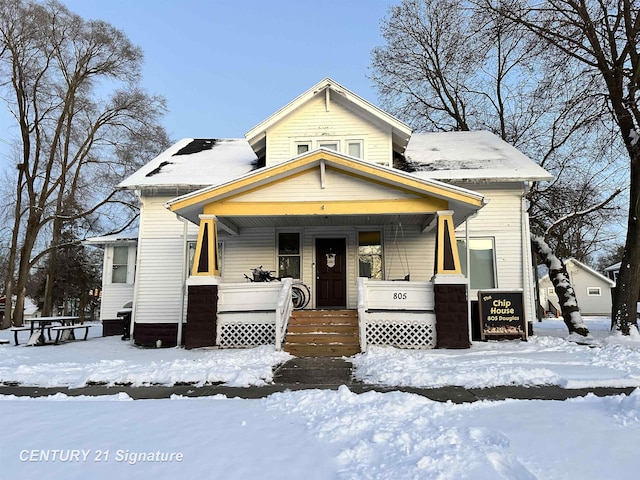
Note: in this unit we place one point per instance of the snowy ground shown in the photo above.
(324, 434)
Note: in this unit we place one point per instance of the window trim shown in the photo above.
(589, 294)
(358, 142)
(465, 264)
(335, 142)
(130, 265)
(382, 262)
(299, 143)
(299, 254)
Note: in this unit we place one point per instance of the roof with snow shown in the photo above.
(195, 163)
(124, 237)
(470, 156)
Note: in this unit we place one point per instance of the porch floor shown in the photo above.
(323, 333)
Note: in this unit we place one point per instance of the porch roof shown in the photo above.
(240, 203)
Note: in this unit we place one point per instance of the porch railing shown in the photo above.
(252, 314)
(396, 313)
(283, 311)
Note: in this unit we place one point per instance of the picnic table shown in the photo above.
(63, 326)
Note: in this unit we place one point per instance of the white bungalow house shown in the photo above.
(394, 230)
(593, 290)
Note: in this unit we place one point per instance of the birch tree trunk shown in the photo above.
(562, 284)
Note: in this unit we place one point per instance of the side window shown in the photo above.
(370, 255)
(594, 291)
(289, 254)
(120, 266)
(481, 269)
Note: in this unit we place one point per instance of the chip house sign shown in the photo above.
(502, 314)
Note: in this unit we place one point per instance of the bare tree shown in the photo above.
(453, 65)
(72, 87)
(602, 37)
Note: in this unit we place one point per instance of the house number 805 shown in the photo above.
(400, 295)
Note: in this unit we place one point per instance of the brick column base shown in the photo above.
(202, 308)
(452, 321)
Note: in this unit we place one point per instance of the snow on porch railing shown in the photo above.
(399, 314)
(251, 314)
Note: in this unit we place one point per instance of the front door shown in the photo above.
(331, 273)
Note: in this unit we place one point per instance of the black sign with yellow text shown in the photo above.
(501, 314)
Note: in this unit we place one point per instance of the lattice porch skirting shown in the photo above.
(241, 334)
(401, 333)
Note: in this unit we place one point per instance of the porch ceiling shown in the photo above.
(232, 224)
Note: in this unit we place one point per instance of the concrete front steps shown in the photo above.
(323, 333)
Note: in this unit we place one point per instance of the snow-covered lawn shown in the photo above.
(322, 434)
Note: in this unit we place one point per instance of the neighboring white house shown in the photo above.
(336, 193)
(118, 277)
(593, 290)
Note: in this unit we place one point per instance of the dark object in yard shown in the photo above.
(125, 314)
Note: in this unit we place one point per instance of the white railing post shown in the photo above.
(362, 311)
(283, 311)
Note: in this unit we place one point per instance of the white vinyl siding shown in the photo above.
(254, 247)
(337, 186)
(338, 125)
(501, 219)
(160, 263)
(114, 297)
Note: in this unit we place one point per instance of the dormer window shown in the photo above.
(351, 147)
(302, 147)
(354, 148)
(330, 145)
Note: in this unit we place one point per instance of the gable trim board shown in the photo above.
(207, 200)
(400, 131)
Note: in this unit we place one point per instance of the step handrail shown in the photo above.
(283, 311)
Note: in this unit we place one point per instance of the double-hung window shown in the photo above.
(481, 270)
(370, 255)
(354, 148)
(120, 265)
(289, 254)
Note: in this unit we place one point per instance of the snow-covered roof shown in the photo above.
(475, 156)
(123, 237)
(195, 163)
(471, 156)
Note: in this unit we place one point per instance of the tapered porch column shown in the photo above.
(450, 288)
(202, 296)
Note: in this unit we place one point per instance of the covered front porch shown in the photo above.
(362, 238)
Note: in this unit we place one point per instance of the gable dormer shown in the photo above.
(329, 116)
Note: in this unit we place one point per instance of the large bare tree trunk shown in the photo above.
(627, 290)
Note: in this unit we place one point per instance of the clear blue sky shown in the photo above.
(224, 66)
